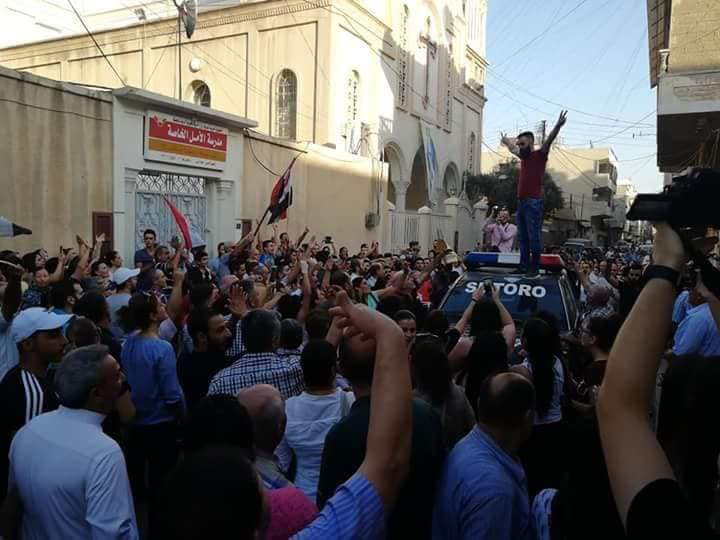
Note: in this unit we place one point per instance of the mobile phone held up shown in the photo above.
(488, 286)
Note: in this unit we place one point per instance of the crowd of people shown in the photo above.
(288, 388)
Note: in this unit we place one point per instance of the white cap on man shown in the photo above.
(36, 319)
(121, 275)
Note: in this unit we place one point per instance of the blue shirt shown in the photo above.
(355, 511)
(142, 256)
(71, 479)
(482, 494)
(697, 333)
(267, 259)
(681, 307)
(221, 266)
(151, 370)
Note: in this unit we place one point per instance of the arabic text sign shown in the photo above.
(182, 141)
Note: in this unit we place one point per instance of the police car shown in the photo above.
(523, 297)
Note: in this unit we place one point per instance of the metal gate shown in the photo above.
(187, 193)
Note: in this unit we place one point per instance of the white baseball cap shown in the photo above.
(37, 319)
(121, 275)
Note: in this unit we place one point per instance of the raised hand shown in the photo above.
(237, 303)
(562, 119)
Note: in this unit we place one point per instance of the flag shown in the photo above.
(431, 161)
(8, 228)
(182, 222)
(281, 196)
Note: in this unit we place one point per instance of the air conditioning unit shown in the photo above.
(372, 220)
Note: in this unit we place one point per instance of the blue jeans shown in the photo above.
(529, 224)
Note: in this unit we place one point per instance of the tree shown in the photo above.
(500, 188)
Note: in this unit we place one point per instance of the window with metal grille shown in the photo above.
(449, 89)
(352, 97)
(403, 58)
(286, 105)
(166, 183)
(471, 154)
(201, 94)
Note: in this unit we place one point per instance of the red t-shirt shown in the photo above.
(532, 170)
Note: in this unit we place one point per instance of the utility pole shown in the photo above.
(543, 129)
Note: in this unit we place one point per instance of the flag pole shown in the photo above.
(257, 230)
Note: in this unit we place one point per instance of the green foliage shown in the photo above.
(500, 188)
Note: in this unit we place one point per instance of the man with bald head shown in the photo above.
(483, 490)
(267, 412)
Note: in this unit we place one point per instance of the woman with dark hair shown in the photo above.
(484, 314)
(151, 369)
(407, 321)
(542, 454)
(488, 355)
(114, 261)
(431, 376)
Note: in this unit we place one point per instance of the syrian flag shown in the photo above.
(182, 223)
(281, 196)
(8, 228)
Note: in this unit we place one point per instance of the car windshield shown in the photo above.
(522, 297)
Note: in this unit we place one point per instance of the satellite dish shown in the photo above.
(188, 11)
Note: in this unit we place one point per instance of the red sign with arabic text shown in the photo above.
(161, 128)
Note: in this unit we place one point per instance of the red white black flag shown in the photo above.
(281, 196)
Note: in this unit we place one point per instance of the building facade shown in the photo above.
(374, 79)
(684, 46)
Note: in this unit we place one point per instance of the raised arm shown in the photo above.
(509, 331)
(554, 133)
(59, 273)
(302, 237)
(387, 454)
(82, 264)
(461, 325)
(174, 307)
(307, 292)
(633, 455)
(509, 143)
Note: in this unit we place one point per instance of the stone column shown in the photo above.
(400, 193)
(388, 223)
(124, 217)
(224, 224)
(451, 209)
(425, 228)
(479, 216)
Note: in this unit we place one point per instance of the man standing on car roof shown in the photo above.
(530, 193)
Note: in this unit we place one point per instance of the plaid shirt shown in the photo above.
(285, 374)
(237, 346)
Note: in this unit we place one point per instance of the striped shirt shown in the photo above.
(355, 511)
(23, 396)
(237, 345)
(285, 374)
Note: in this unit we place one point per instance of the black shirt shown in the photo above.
(196, 370)
(629, 292)
(23, 396)
(345, 450)
(660, 511)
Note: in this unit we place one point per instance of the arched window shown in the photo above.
(403, 58)
(449, 89)
(471, 154)
(352, 97)
(201, 94)
(286, 105)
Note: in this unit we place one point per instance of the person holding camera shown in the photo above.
(500, 231)
(530, 192)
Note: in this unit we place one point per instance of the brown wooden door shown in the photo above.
(102, 222)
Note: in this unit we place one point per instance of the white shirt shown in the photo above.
(71, 478)
(554, 413)
(309, 418)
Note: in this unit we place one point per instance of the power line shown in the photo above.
(541, 34)
(96, 43)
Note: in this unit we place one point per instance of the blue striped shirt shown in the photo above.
(355, 511)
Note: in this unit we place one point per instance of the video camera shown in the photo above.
(688, 205)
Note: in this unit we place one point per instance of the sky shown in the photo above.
(587, 55)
